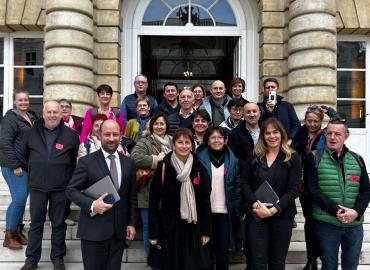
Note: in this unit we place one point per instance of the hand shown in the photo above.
(130, 233)
(18, 171)
(100, 206)
(324, 108)
(205, 240)
(270, 106)
(262, 209)
(161, 156)
(346, 215)
(153, 242)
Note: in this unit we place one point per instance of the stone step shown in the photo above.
(142, 266)
(135, 254)
(70, 234)
(297, 236)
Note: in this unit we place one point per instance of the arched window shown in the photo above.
(202, 13)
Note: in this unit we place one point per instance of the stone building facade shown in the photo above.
(86, 43)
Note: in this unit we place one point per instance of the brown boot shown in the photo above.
(22, 239)
(11, 240)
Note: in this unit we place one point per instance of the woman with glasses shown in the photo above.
(14, 168)
(222, 177)
(179, 210)
(270, 225)
(311, 137)
(201, 122)
(105, 93)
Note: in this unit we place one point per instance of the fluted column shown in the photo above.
(312, 53)
(69, 47)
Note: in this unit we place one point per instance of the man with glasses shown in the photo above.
(72, 121)
(128, 106)
(235, 108)
(339, 185)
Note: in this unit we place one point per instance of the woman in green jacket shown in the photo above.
(147, 153)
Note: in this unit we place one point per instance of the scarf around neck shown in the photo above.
(164, 142)
(188, 207)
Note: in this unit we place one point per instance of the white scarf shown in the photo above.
(188, 207)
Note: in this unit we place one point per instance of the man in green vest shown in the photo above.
(339, 186)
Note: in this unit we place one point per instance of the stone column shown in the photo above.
(312, 53)
(69, 47)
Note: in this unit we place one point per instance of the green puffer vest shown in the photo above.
(331, 185)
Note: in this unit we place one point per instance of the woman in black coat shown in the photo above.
(14, 168)
(179, 210)
(270, 223)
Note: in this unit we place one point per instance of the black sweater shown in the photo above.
(284, 179)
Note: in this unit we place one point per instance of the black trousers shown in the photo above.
(102, 255)
(58, 212)
(312, 243)
(219, 242)
(268, 242)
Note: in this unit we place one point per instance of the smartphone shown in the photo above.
(109, 199)
(272, 97)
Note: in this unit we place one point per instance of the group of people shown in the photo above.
(192, 167)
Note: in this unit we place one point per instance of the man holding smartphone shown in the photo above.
(274, 106)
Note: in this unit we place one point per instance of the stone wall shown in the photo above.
(273, 32)
(353, 17)
(25, 15)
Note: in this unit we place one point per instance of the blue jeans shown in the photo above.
(19, 192)
(144, 218)
(331, 237)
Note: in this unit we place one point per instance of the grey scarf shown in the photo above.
(188, 207)
(164, 142)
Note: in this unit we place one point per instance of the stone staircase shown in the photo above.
(134, 256)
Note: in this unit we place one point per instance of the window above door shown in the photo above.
(202, 13)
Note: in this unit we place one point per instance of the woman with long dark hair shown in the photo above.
(270, 223)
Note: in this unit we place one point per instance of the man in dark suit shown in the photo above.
(103, 228)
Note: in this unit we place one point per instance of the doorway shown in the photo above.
(187, 60)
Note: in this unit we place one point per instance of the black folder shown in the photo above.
(265, 194)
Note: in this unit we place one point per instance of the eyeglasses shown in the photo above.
(141, 82)
(216, 138)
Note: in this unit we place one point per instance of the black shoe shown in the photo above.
(311, 265)
(59, 266)
(29, 266)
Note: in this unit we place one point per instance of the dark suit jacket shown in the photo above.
(90, 169)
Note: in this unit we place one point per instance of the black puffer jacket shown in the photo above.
(50, 171)
(13, 127)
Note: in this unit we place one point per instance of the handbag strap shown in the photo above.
(163, 172)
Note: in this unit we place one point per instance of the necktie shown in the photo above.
(113, 171)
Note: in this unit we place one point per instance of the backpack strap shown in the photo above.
(317, 156)
(357, 157)
(116, 112)
(87, 145)
(94, 112)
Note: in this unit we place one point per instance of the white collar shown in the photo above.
(106, 154)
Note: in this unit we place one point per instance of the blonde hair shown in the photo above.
(261, 148)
